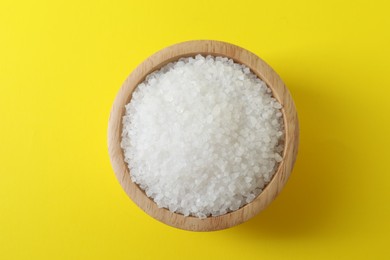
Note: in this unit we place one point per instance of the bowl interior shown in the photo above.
(190, 49)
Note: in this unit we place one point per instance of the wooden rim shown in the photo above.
(264, 72)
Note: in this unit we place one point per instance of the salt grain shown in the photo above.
(202, 136)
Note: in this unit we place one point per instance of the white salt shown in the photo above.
(202, 136)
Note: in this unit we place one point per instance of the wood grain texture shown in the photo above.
(264, 72)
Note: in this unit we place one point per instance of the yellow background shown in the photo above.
(62, 63)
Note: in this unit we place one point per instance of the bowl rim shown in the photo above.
(188, 49)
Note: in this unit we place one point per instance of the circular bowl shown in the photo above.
(265, 73)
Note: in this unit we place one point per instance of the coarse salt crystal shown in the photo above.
(202, 136)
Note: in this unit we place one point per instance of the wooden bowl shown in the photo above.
(239, 55)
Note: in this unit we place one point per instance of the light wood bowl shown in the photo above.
(239, 55)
